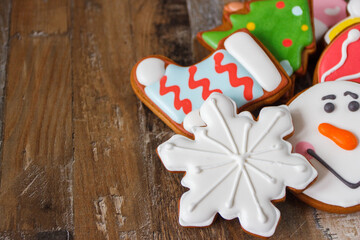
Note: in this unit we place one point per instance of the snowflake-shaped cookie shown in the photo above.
(236, 166)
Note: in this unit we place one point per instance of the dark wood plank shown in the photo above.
(36, 169)
(203, 15)
(5, 7)
(35, 191)
(110, 193)
(39, 17)
(338, 226)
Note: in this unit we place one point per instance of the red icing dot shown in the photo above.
(287, 42)
(280, 4)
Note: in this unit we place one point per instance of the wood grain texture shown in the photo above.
(110, 191)
(338, 226)
(40, 17)
(35, 190)
(203, 15)
(5, 7)
(36, 168)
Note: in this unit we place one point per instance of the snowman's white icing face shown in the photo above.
(326, 120)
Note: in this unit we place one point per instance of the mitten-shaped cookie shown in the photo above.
(241, 69)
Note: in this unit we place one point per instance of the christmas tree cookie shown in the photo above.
(284, 27)
(240, 68)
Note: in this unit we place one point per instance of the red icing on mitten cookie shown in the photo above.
(241, 68)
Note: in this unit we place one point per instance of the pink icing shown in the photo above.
(336, 8)
(302, 147)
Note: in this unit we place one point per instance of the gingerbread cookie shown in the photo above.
(326, 14)
(341, 60)
(353, 9)
(241, 69)
(284, 27)
(326, 122)
(236, 166)
(326, 118)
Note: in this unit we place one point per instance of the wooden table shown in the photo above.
(78, 154)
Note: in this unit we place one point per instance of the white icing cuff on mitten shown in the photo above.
(150, 70)
(247, 51)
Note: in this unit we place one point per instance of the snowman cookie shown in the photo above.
(241, 68)
(326, 121)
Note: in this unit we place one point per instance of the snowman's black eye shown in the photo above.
(329, 107)
(354, 106)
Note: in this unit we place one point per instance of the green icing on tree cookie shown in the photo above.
(284, 27)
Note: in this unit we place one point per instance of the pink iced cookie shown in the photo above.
(326, 14)
(353, 9)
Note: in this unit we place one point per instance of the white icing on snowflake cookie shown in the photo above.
(236, 166)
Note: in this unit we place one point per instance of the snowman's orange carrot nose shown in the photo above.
(343, 138)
